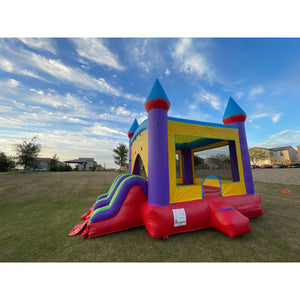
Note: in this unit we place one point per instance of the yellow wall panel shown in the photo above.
(140, 147)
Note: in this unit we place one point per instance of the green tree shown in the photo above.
(6, 163)
(257, 155)
(27, 153)
(219, 161)
(120, 155)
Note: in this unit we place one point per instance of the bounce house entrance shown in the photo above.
(139, 167)
(208, 191)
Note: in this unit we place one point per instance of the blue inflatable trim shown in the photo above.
(213, 177)
(225, 208)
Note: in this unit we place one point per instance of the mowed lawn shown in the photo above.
(38, 210)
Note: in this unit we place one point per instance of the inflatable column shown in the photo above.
(187, 171)
(157, 106)
(131, 132)
(234, 115)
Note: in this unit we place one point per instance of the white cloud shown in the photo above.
(95, 51)
(24, 60)
(122, 111)
(287, 137)
(13, 83)
(122, 115)
(13, 60)
(139, 54)
(257, 116)
(41, 108)
(280, 134)
(209, 98)
(6, 65)
(76, 76)
(102, 130)
(40, 44)
(146, 55)
(30, 74)
(167, 72)
(258, 90)
(190, 60)
(63, 72)
(276, 117)
(239, 95)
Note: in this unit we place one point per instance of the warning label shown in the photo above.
(179, 217)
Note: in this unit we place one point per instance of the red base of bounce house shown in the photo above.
(229, 215)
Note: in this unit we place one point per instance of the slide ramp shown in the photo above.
(104, 199)
(227, 219)
(116, 210)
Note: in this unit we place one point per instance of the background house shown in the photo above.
(85, 164)
(44, 164)
(284, 155)
(280, 155)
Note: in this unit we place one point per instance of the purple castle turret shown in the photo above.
(157, 106)
(131, 132)
(234, 115)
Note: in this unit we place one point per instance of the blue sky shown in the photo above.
(80, 95)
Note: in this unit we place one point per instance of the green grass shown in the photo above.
(38, 210)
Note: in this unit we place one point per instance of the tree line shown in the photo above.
(26, 156)
(27, 153)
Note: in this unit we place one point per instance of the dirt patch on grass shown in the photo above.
(283, 176)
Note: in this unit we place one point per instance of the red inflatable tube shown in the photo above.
(248, 205)
(227, 219)
(175, 218)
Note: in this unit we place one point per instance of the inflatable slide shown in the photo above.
(118, 209)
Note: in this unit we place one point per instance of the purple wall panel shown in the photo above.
(234, 162)
(187, 168)
(245, 158)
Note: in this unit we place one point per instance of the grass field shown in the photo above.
(38, 210)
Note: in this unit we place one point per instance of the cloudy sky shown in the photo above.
(80, 95)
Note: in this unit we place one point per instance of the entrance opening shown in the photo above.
(139, 168)
(209, 191)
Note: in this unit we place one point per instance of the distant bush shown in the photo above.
(53, 168)
(60, 168)
(65, 168)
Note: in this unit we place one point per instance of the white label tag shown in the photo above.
(179, 217)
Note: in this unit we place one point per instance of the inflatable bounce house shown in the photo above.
(179, 192)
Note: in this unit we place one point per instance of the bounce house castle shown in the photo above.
(178, 193)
